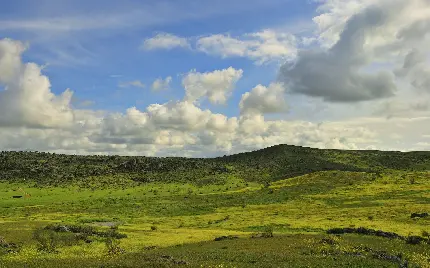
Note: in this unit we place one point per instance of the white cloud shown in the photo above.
(178, 115)
(134, 83)
(222, 45)
(217, 86)
(165, 41)
(334, 16)
(161, 84)
(264, 100)
(364, 40)
(27, 99)
(262, 47)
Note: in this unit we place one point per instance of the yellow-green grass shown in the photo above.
(188, 214)
(299, 250)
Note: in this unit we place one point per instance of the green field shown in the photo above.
(274, 208)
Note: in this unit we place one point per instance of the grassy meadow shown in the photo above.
(116, 220)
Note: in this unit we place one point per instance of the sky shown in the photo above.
(201, 78)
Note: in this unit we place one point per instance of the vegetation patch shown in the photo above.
(8, 247)
(364, 231)
(413, 240)
(419, 215)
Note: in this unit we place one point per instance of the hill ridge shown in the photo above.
(263, 165)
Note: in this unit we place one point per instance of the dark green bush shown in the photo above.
(415, 240)
(64, 228)
(113, 246)
(6, 247)
(112, 233)
(267, 233)
(49, 240)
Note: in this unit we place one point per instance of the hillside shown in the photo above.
(270, 164)
(283, 206)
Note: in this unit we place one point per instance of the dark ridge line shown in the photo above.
(224, 156)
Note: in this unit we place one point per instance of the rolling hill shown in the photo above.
(269, 164)
(283, 206)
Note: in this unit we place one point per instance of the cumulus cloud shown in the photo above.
(27, 99)
(262, 47)
(161, 84)
(165, 41)
(362, 42)
(216, 86)
(177, 123)
(178, 115)
(333, 17)
(337, 74)
(264, 100)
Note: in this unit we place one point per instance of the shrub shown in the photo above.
(82, 229)
(6, 247)
(267, 233)
(47, 240)
(414, 240)
(419, 215)
(113, 233)
(113, 246)
(329, 241)
(363, 231)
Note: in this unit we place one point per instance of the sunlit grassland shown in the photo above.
(299, 209)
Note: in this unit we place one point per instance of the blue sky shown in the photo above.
(85, 59)
(229, 75)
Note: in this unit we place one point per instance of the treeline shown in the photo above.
(270, 164)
